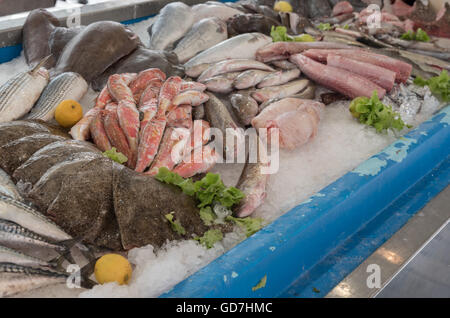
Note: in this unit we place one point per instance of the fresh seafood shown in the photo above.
(98, 132)
(243, 46)
(379, 75)
(285, 90)
(8, 255)
(113, 131)
(7, 186)
(18, 95)
(83, 55)
(282, 50)
(245, 107)
(250, 78)
(203, 10)
(297, 121)
(180, 117)
(245, 23)
(342, 7)
(35, 36)
(169, 90)
(20, 213)
(192, 86)
(81, 130)
(318, 8)
(342, 81)
(203, 35)
(233, 65)
(193, 164)
(284, 65)
(196, 70)
(65, 86)
(402, 69)
(193, 98)
(279, 78)
(148, 147)
(15, 278)
(151, 76)
(173, 21)
(59, 38)
(222, 83)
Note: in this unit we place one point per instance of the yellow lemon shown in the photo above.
(112, 268)
(68, 113)
(282, 6)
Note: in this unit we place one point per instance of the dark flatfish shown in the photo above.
(96, 48)
(35, 35)
(318, 8)
(59, 38)
(11, 131)
(140, 60)
(246, 23)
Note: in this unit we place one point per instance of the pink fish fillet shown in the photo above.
(342, 81)
(81, 130)
(171, 150)
(169, 90)
(192, 86)
(193, 98)
(193, 164)
(139, 84)
(98, 132)
(115, 133)
(180, 117)
(297, 121)
(149, 144)
(282, 50)
(379, 75)
(402, 69)
(342, 7)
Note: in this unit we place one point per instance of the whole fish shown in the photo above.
(172, 23)
(13, 235)
(20, 213)
(203, 35)
(243, 46)
(192, 164)
(233, 65)
(196, 70)
(279, 78)
(64, 86)
(18, 95)
(15, 278)
(308, 93)
(193, 98)
(222, 83)
(198, 112)
(249, 78)
(7, 186)
(266, 93)
(203, 10)
(245, 107)
(8, 255)
(284, 65)
(318, 8)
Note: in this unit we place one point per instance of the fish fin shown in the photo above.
(40, 64)
(86, 271)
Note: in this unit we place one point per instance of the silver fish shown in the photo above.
(279, 78)
(13, 235)
(208, 10)
(266, 93)
(203, 35)
(198, 69)
(233, 65)
(8, 255)
(221, 83)
(172, 23)
(67, 85)
(15, 278)
(249, 78)
(20, 213)
(308, 93)
(7, 186)
(18, 95)
(284, 64)
(243, 46)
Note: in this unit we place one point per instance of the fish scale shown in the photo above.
(65, 86)
(8, 255)
(7, 186)
(17, 278)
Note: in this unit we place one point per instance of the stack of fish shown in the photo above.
(145, 117)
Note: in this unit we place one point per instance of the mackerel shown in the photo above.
(18, 95)
(7, 186)
(8, 255)
(15, 278)
(20, 213)
(67, 85)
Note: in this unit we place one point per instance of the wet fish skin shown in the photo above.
(220, 11)
(18, 95)
(15, 278)
(7, 186)
(279, 78)
(192, 165)
(203, 35)
(173, 21)
(233, 65)
(284, 64)
(243, 46)
(151, 139)
(308, 93)
(198, 69)
(245, 107)
(8, 255)
(285, 90)
(249, 78)
(67, 85)
(193, 98)
(20, 213)
(222, 83)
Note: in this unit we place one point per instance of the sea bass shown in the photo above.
(243, 46)
(64, 86)
(15, 278)
(172, 23)
(18, 95)
(203, 35)
(7, 186)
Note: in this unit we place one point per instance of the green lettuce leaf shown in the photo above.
(439, 85)
(210, 238)
(248, 224)
(116, 156)
(176, 225)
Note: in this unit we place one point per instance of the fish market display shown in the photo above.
(64, 86)
(59, 38)
(7, 186)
